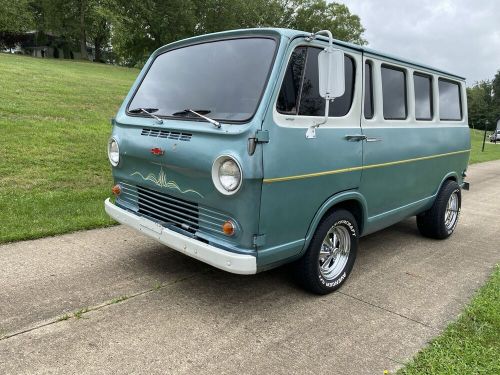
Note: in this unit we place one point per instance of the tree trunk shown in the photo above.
(83, 37)
(97, 46)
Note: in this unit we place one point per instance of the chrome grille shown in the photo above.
(161, 133)
(162, 207)
(169, 209)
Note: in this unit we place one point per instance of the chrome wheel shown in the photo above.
(334, 252)
(451, 213)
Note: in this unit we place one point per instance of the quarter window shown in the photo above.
(368, 105)
(394, 93)
(423, 96)
(299, 93)
(450, 107)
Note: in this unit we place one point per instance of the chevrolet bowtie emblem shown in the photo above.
(157, 151)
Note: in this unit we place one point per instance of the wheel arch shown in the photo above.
(351, 201)
(451, 176)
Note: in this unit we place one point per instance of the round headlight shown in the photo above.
(226, 175)
(229, 175)
(113, 152)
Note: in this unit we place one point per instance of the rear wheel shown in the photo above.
(440, 220)
(330, 256)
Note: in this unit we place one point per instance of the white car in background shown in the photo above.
(495, 136)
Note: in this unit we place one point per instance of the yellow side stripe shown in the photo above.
(353, 169)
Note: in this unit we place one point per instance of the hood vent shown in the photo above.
(160, 133)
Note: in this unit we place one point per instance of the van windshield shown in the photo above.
(223, 80)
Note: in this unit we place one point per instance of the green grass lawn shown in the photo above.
(491, 150)
(54, 126)
(471, 345)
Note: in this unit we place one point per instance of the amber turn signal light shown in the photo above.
(228, 228)
(116, 190)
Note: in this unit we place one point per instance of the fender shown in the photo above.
(449, 176)
(328, 204)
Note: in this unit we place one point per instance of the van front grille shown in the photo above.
(166, 208)
(160, 133)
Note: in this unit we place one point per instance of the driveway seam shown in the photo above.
(387, 310)
(86, 310)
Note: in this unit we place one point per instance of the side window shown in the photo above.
(394, 93)
(368, 106)
(289, 94)
(423, 96)
(450, 106)
(299, 93)
(311, 103)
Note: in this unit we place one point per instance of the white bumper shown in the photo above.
(225, 260)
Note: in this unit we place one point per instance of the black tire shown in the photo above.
(308, 267)
(432, 223)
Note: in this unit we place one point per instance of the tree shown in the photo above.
(315, 15)
(496, 89)
(16, 18)
(99, 29)
(67, 19)
(219, 15)
(306, 15)
(79, 22)
(139, 27)
(482, 104)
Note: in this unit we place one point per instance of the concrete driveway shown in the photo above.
(112, 301)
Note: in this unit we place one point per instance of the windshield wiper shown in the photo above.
(148, 111)
(212, 121)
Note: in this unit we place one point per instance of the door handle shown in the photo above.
(356, 137)
(361, 137)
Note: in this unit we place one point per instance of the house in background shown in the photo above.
(48, 45)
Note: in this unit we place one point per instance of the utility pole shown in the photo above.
(484, 139)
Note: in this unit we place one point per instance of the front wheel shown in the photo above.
(440, 220)
(330, 256)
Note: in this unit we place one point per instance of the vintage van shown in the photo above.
(249, 149)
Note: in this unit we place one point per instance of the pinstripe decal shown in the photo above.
(353, 169)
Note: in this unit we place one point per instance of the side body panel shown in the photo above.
(404, 166)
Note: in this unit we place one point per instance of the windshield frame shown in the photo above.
(276, 39)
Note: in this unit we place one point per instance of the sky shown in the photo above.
(458, 36)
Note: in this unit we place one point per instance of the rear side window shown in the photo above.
(394, 93)
(299, 93)
(423, 96)
(368, 106)
(450, 107)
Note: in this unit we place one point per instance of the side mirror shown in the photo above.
(331, 73)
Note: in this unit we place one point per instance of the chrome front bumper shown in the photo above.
(225, 260)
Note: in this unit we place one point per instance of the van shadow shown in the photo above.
(206, 281)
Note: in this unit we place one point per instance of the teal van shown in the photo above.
(249, 149)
